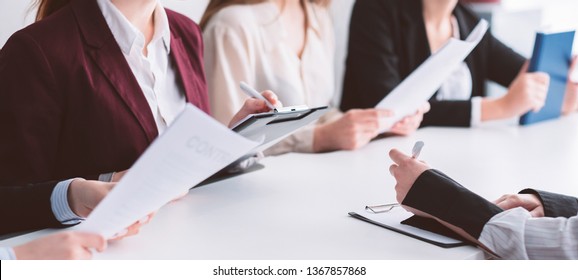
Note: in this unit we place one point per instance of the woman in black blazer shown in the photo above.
(391, 38)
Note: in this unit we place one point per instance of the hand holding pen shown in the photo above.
(406, 169)
(251, 92)
(259, 103)
(414, 155)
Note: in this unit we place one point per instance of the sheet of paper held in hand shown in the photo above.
(193, 148)
(423, 82)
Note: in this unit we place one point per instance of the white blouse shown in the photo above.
(249, 43)
(154, 73)
(458, 86)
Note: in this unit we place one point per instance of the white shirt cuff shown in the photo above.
(60, 207)
(476, 118)
(106, 177)
(7, 253)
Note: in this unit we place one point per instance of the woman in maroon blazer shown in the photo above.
(82, 89)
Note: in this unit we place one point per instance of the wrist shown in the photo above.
(318, 138)
(72, 196)
(495, 109)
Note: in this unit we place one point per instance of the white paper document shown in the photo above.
(423, 82)
(193, 148)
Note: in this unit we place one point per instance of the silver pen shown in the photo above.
(255, 94)
(416, 149)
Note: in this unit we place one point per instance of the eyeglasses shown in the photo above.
(381, 208)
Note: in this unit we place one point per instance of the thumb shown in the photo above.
(92, 240)
(524, 69)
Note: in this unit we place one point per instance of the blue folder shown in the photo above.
(552, 55)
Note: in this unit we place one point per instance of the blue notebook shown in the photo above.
(552, 55)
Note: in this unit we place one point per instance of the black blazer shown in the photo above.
(388, 40)
(435, 193)
(26, 208)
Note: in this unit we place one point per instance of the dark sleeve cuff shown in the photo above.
(555, 205)
(452, 113)
(440, 196)
(26, 208)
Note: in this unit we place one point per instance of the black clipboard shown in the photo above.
(271, 127)
(268, 128)
(426, 224)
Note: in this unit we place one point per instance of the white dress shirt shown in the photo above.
(458, 86)
(154, 73)
(249, 43)
(514, 234)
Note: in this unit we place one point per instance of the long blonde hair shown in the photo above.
(216, 5)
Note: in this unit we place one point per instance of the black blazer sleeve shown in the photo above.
(440, 196)
(555, 205)
(26, 208)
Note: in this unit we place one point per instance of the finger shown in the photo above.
(253, 105)
(272, 98)
(425, 108)
(119, 235)
(133, 230)
(369, 114)
(502, 198)
(393, 169)
(91, 240)
(540, 77)
(400, 129)
(384, 113)
(508, 204)
(573, 71)
(82, 254)
(397, 156)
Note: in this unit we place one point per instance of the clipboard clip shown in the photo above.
(383, 208)
(291, 109)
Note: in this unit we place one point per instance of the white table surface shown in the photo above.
(296, 208)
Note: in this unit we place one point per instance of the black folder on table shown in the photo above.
(420, 228)
(552, 54)
(268, 129)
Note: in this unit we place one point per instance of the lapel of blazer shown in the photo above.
(106, 53)
(466, 26)
(413, 29)
(189, 63)
(185, 71)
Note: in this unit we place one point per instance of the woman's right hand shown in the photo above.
(527, 92)
(69, 245)
(351, 131)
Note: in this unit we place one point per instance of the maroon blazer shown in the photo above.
(69, 103)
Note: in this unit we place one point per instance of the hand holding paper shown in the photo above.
(423, 82)
(193, 148)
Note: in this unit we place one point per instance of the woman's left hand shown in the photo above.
(255, 106)
(571, 96)
(410, 124)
